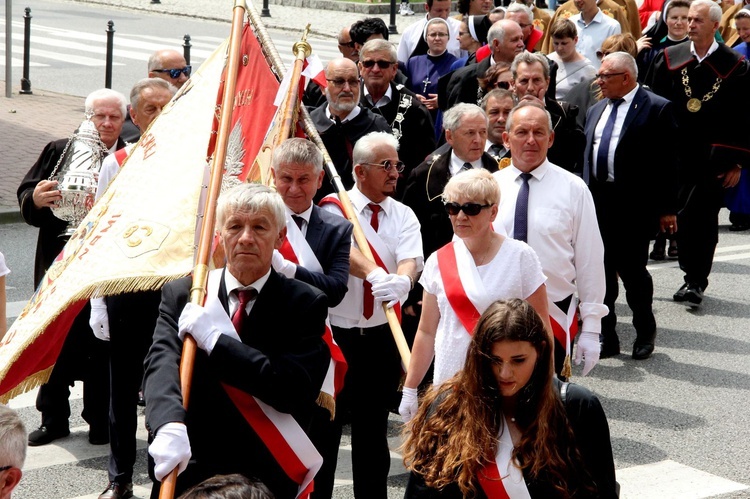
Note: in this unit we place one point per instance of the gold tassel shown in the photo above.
(33, 381)
(326, 401)
(566, 369)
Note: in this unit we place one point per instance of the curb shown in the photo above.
(10, 216)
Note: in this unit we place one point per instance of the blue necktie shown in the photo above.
(602, 170)
(521, 220)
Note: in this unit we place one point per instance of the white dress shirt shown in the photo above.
(383, 101)
(591, 35)
(622, 111)
(399, 230)
(458, 163)
(233, 284)
(305, 215)
(563, 230)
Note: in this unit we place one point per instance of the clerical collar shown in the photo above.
(305, 214)
(353, 114)
(233, 284)
(383, 101)
(714, 46)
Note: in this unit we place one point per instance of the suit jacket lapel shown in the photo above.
(635, 108)
(438, 175)
(591, 121)
(314, 230)
(223, 295)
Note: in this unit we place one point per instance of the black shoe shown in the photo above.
(739, 227)
(116, 491)
(98, 436)
(673, 252)
(609, 349)
(642, 351)
(694, 294)
(680, 294)
(45, 435)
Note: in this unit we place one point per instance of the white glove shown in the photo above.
(282, 266)
(99, 320)
(392, 289)
(195, 320)
(409, 405)
(588, 350)
(376, 276)
(170, 449)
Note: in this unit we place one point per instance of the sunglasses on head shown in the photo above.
(381, 64)
(387, 165)
(469, 209)
(175, 73)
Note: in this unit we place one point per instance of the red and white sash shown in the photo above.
(280, 432)
(463, 287)
(502, 479)
(564, 322)
(121, 154)
(383, 257)
(295, 248)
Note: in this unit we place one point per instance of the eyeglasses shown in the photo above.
(502, 84)
(175, 73)
(388, 165)
(437, 35)
(605, 77)
(3, 468)
(469, 209)
(381, 64)
(349, 44)
(340, 82)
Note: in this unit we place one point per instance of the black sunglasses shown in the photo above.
(175, 73)
(469, 209)
(347, 44)
(387, 165)
(502, 84)
(381, 64)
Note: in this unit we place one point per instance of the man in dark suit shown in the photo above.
(635, 193)
(82, 356)
(271, 356)
(497, 105)
(298, 173)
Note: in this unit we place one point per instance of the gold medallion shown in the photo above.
(694, 105)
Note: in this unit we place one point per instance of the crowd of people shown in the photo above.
(506, 168)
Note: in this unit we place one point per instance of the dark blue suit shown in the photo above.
(628, 208)
(330, 238)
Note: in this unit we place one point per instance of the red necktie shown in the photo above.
(368, 300)
(245, 296)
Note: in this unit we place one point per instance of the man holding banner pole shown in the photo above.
(256, 377)
(359, 323)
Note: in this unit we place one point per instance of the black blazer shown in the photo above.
(282, 361)
(330, 238)
(645, 164)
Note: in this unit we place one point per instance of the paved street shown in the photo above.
(679, 421)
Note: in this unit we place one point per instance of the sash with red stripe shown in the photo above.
(334, 200)
(465, 310)
(120, 155)
(285, 439)
(507, 485)
(564, 321)
(337, 369)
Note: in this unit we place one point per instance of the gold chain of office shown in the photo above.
(693, 104)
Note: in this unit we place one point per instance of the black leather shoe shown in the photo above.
(98, 436)
(45, 435)
(609, 349)
(642, 351)
(694, 294)
(116, 491)
(680, 294)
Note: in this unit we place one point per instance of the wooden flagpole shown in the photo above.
(200, 271)
(338, 186)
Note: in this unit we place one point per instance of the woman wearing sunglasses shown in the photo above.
(505, 426)
(462, 278)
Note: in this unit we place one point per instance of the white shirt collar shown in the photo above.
(353, 114)
(458, 163)
(537, 173)
(305, 214)
(385, 99)
(714, 46)
(360, 201)
(232, 283)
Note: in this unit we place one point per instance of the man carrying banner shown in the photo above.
(256, 377)
(552, 210)
(82, 356)
(316, 251)
(341, 121)
(359, 322)
(127, 321)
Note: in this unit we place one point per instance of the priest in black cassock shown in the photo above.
(341, 122)
(409, 119)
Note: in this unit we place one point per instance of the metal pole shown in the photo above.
(264, 12)
(110, 42)
(392, 29)
(186, 49)
(8, 48)
(25, 81)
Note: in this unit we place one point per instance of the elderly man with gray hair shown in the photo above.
(12, 450)
(359, 323)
